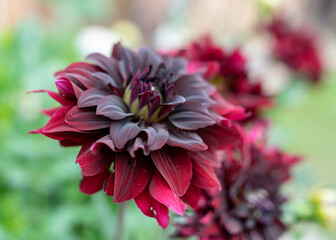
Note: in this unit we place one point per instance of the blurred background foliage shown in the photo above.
(39, 195)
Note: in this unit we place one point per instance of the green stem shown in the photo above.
(120, 223)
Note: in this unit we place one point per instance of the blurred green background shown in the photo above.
(39, 194)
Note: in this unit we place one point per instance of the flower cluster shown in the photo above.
(296, 48)
(148, 129)
(248, 207)
(226, 70)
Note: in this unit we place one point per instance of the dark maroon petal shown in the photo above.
(123, 131)
(104, 80)
(160, 190)
(131, 176)
(195, 88)
(109, 185)
(191, 116)
(82, 66)
(175, 166)
(57, 97)
(135, 145)
(192, 196)
(152, 208)
(204, 176)
(113, 107)
(187, 140)
(107, 64)
(93, 184)
(106, 140)
(175, 100)
(91, 97)
(65, 88)
(158, 139)
(49, 112)
(207, 157)
(220, 135)
(86, 120)
(57, 122)
(102, 164)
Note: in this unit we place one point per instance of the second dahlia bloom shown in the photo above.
(297, 49)
(249, 206)
(227, 70)
(147, 129)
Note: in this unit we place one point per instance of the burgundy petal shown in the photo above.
(107, 64)
(131, 176)
(91, 97)
(187, 140)
(175, 166)
(191, 116)
(64, 87)
(204, 176)
(113, 107)
(86, 120)
(192, 196)
(123, 131)
(160, 190)
(159, 139)
(93, 184)
(109, 185)
(57, 122)
(57, 97)
(152, 208)
(102, 164)
(207, 157)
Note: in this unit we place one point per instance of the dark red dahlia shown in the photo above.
(228, 72)
(248, 207)
(147, 128)
(296, 48)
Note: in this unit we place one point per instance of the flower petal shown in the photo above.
(131, 176)
(175, 166)
(91, 97)
(192, 196)
(113, 107)
(93, 184)
(109, 185)
(86, 120)
(123, 131)
(152, 208)
(187, 140)
(160, 190)
(204, 176)
(191, 116)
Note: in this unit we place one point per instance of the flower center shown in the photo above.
(149, 95)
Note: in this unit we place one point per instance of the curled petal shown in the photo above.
(131, 176)
(191, 116)
(160, 190)
(152, 208)
(123, 131)
(175, 166)
(91, 97)
(187, 140)
(113, 107)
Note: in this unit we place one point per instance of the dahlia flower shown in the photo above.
(228, 72)
(297, 49)
(147, 129)
(248, 207)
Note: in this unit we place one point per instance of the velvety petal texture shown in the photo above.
(144, 124)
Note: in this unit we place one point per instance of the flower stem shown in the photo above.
(121, 214)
